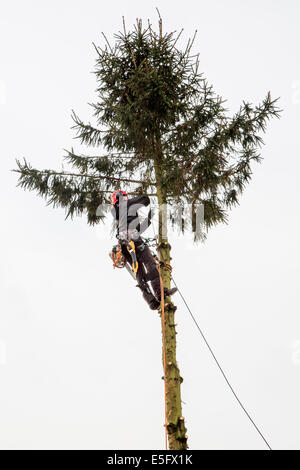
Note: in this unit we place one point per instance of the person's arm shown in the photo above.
(146, 222)
(143, 200)
(136, 203)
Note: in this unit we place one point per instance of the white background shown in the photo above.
(80, 352)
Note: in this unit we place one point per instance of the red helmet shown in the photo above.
(116, 194)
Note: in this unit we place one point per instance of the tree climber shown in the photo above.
(134, 249)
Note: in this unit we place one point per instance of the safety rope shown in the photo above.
(221, 369)
(168, 266)
(162, 295)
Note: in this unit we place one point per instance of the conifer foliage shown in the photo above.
(157, 119)
(160, 129)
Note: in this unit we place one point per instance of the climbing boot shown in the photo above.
(154, 304)
(169, 292)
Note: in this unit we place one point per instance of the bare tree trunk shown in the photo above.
(175, 422)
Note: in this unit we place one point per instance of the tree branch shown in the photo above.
(54, 173)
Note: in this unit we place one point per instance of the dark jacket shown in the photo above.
(126, 214)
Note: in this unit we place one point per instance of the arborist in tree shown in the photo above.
(133, 247)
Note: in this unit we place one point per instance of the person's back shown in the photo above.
(125, 212)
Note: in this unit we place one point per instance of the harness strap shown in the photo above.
(131, 250)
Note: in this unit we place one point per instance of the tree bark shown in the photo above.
(175, 422)
(176, 429)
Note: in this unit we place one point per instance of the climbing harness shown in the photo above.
(129, 234)
(131, 250)
(125, 239)
(119, 260)
(150, 241)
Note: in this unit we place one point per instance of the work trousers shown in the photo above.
(147, 270)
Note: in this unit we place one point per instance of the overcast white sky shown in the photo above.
(80, 353)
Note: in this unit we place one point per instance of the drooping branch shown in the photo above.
(77, 193)
(26, 170)
(105, 164)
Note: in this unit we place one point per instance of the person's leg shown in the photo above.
(152, 273)
(143, 285)
(141, 280)
(126, 253)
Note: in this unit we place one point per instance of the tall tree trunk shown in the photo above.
(175, 422)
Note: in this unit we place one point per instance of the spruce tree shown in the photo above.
(162, 131)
